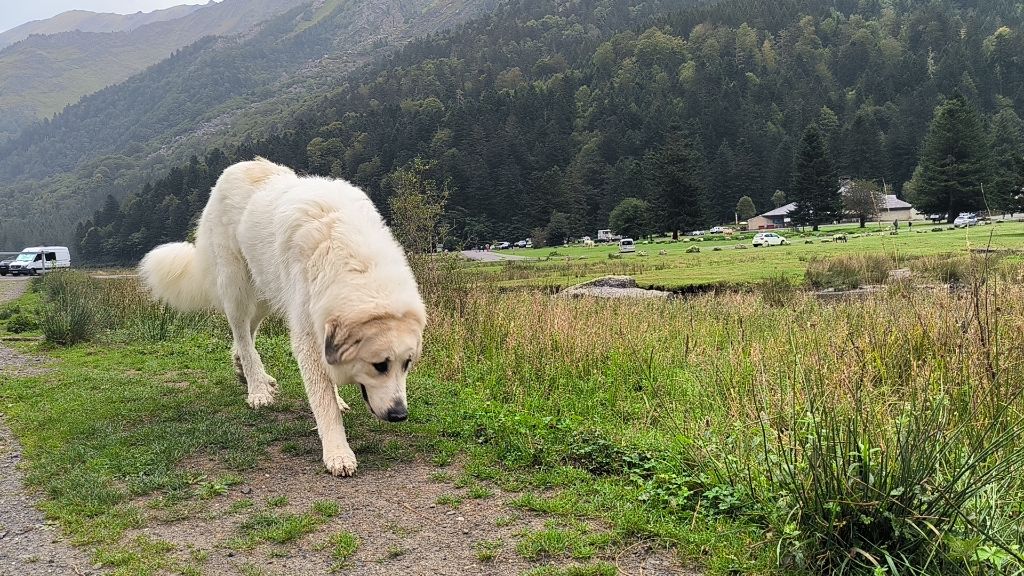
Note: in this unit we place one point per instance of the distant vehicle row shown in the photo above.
(35, 260)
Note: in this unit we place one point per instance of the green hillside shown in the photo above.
(216, 90)
(42, 74)
(551, 112)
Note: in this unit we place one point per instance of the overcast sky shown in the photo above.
(15, 12)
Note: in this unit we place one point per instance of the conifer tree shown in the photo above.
(677, 175)
(815, 189)
(955, 162)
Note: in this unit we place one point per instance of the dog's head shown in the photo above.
(375, 354)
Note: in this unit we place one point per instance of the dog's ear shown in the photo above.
(340, 342)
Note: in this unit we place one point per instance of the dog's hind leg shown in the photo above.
(324, 401)
(241, 309)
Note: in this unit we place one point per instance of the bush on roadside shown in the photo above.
(68, 312)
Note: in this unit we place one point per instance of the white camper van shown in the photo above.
(40, 259)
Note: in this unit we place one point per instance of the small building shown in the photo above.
(894, 209)
(778, 218)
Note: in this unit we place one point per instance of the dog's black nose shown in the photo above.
(397, 414)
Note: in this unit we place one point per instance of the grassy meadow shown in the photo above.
(762, 431)
(718, 261)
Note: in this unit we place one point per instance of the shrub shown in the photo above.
(859, 494)
(693, 250)
(69, 308)
(776, 290)
(22, 322)
(716, 249)
(848, 272)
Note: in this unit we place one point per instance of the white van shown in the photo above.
(627, 245)
(32, 260)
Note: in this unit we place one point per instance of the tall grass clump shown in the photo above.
(880, 435)
(68, 314)
(848, 271)
(912, 495)
(130, 311)
(777, 290)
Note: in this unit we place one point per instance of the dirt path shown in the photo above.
(29, 545)
(392, 509)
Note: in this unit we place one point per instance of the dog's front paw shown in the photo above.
(259, 400)
(341, 462)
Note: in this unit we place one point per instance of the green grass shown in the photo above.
(281, 528)
(597, 569)
(343, 546)
(679, 270)
(575, 540)
(487, 550)
(750, 436)
(449, 500)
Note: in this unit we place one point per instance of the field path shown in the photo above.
(392, 509)
(29, 546)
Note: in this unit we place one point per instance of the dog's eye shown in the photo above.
(382, 367)
(407, 364)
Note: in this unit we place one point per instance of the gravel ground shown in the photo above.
(484, 256)
(612, 287)
(29, 546)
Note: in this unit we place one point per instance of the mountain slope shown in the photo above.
(86, 21)
(42, 74)
(213, 90)
(553, 111)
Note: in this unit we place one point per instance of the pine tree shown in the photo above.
(677, 184)
(955, 162)
(1007, 137)
(815, 189)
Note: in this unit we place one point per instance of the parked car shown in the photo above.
(768, 239)
(5, 267)
(697, 233)
(965, 219)
(502, 245)
(32, 260)
(627, 245)
(528, 243)
(721, 230)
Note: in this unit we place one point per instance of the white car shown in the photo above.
(627, 245)
(721, 230)
(768, 239)
(964, 220)
(697, 233)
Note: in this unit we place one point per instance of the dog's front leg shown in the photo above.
(324, 401)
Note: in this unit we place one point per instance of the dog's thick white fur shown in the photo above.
(317, 252)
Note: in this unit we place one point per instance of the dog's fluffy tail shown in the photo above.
(174, 273)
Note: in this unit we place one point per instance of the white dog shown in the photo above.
(317, 252)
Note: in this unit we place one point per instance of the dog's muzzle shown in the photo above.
(397, 413)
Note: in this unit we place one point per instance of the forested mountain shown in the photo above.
(42, 74)
(561, 108)
(216, 90)
(86, 21)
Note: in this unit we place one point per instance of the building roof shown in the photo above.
(894, 203)
(891, 203)
(781, 210)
